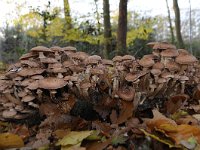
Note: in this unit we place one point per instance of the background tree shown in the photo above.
(107, 29)
(68, 19)
(170, 24)
(180, 42)
(122, 26)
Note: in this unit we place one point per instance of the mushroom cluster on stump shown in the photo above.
(49, 74)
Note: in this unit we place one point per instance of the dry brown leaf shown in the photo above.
(126, 112)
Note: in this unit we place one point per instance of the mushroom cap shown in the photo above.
(18, 78)
(185, 59)
(29, 63)
(51, 83)
(117, 59)
(69, 48)
(40, 49)
(76, 68)
(151, 44)
(9, 113)
(128, 57)
(27, 56)
(163, 46)
(94, 59)
(68, 63)
(22, 93)
(71, 78)
(131, 77)
(183, 51)
(158, 65)
(56, 49)
(34, 85)
(30, 71)
(172, 66)
(95, 71)
(107, 62)
(55, 65)
(28, 98)
(169, 53)
(57, 70)
(26, 81)
(146, 62)
(37, 77)
(167, 75)
(126, 93)
(162, 80)
(49, 60)
(156, 72)
(79, 55)
(183, 78)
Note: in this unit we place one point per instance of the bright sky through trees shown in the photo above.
(151, 7)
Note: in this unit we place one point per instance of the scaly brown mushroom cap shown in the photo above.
(158, 65)
(29, 63)
(185, 59)
(126, 93)
(127, 57)
(9, 113)
(28, 98)
(40, 49)
(151, 44)
(169, 53)
(56, 49)
(27, 56)
(51, 83)
(146, 62)
(163, 46)
(30, 71)
(69, 48)
(117, 59)
(172, 66)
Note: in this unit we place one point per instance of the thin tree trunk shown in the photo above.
(170, 23)
(178, 24)
(68, 19)
(107, 29)
(122, 26)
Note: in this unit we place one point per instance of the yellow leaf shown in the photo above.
(8, 140)
(74, 137)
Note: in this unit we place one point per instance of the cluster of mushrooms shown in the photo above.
(56, 74)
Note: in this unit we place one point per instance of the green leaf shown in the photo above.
(118, 140)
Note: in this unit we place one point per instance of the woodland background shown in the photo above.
(98, 32)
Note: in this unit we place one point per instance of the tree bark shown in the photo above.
(107, 29)
(170, 24)
(68, 19)
(180, 42)
(122, 26)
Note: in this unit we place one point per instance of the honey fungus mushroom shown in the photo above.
(51, 84)
(41, 50)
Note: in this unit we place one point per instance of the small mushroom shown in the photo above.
(41, 50)
(8, 114)
(126, 93)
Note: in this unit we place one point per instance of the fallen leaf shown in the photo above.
(118, 140)
(126, 112)
(74, 137)
(9, 140)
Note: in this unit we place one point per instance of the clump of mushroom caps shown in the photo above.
(55, 74)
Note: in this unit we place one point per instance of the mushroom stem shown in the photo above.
(41, 55)
(53, 95)
(182, 87)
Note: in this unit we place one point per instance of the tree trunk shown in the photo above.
(170, 24)
(107, 29)
(178, 24)
(68, 19)
(122, 26)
